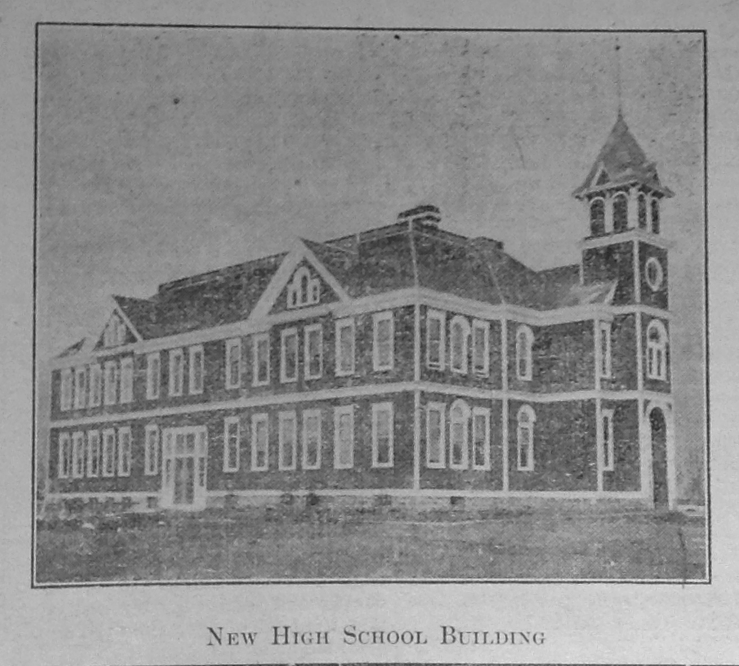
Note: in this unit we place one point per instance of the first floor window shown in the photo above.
(382, 434)
(80, 388)
(525, 438)
(344, 437)
(313, 351)
(65, 456)
(109, 452)
(153, 374)
(459, 417)
(124, 451)
(656, 350)
(151, 450)
(261, 359)
(435, 453)
(289, 355)
(604, 332)
(233, 363)
(176, 372)
(259, 442)
(480, 438)
(65, 391)
(127, 379)
(231, 439)
(606, 416)
(345, 347)
(288, 428)
(96, 381)
(311, 439)
(196, 369)
(383, 338)
(93, 453)
(78, 454)
(481, 347)
(435, 339)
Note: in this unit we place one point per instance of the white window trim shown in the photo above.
(255, 420)
(484, 326)
(531, 424)
(126, 372)
(439, 407)
(173, 354)
(80, 396)
(465, 462)
(192, 351)
(151, 384)
(125, 430)
(655, 285)
(231, 345)
(608, 451)
(459, 320)
(281, 418)
(96, 382)
(256, 339)
(227, 422)
(377, 409)
(436, 315)
(110, 388)
(606, 355)
(65, 442)
(526, 353)
(78, 452)
(284, 335)
(93, 453)
(344, 323)
(306, 350)
(309, 414)
(294, 295)
(340, 411)
(151, 455)
(485, 413)
(377, 318)
(108, 458)
(659, 349)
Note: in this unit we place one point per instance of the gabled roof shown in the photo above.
(140, 312)
(621, 161)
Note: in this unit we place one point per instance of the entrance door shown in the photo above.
(184, 468)
(658, 429)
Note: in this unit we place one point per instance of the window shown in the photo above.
(151, 450)
(261, 359)
(124, 451)
(345, 347)
(93, 453)
(654, 273)
(111, 382)
(289, 355)
(288, 440)
(65, 392)
(80, 388)
(597, 217)
(620, 212)
(344, 437)
(233, 363)
(435, 334)
(65, 455)
(259, 442)
(524, 342)
(127, 379)
(115, 332)
(459, 418)
(312, 439)
(313, 351)
(78, 455)
(303, 289)
(382, 434)
(656, 350)
(655, 216)
(231, 444)
(606, 437)
(176, 372)
(525, 438)
(481, 347)
(153, 375)
(604, 338)
(435, 453)
(96, 382)
(641, 204)
(460, 332)
(108, 452)
(383, 339)
(480, 438)
(196, 369)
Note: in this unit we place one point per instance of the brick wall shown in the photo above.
(659, 298)
(626, 473)
(624, 372)
(610, 262)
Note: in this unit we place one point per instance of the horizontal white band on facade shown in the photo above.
(631, 235)
(362, 392)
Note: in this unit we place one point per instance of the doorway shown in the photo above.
(184, 461)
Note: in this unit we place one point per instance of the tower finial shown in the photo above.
(618, 78)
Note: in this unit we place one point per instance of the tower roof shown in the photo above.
(621, 161)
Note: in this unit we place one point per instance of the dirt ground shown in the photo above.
(311, 545)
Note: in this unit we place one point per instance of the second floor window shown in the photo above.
(96, 384)
(80, 388)
(111, 383)
(153, 374)
(460, 335)
(524, 343)
(313, 351)
(345, 347)
(261, 359)
(176, 372)
(289, 355)
(65, 390)
(435, 339)
(233, 363)
(481, 348)
(127, 379)
(196, 369)
(383, 338)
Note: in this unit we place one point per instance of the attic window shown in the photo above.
(115, 332)
(303, 289)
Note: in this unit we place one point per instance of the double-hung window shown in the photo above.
(345, 347)
(435, 335)
(196, 369)
(108, 452)
(382, 434)
(259, 442)
(312, 439)
(481, 347)
(65, 456)
(127, 379)
(656, 350)
(459, 419)
(524, 343)
(111, 383)
(93, 453)
(288, 440)
(151, 450)
(78, 455)
(65, 393)
(480, 438)
(344, 437)
(96, 384)
(383, 340)
(435, 448)
(80, 388)
(525, 438)
(124, 451)
(460, 335)
(153, 375)
(606, 439)
(231, 443)
(604, 341)
(233, 363)
(289, 355)
(261, 359)
(313, 351)
(176, 372)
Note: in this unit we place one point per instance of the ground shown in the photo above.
(504, 544)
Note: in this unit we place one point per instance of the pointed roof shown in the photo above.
(621, 161)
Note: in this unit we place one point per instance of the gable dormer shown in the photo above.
(305, 288)
(117, 332)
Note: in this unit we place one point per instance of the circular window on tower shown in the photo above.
(654, 273)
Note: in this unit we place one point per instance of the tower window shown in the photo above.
(656, 350)
(597, 217)
(642, 211)
(620, 213)
(653, 273)
(655, 216)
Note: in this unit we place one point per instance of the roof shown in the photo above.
(621, 161)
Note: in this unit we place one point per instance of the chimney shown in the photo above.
(426, 215)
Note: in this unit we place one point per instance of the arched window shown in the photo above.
(620, 212)
(459, 419)
(525, 438)
(460, 334)
(655, 216)
(641, 204)
(524, 342)
(303, 289)
(656, 350)
(597, 217)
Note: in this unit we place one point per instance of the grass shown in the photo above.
(242, 545)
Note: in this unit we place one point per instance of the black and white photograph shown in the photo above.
(370, 305)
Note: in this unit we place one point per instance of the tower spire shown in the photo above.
(618, 78)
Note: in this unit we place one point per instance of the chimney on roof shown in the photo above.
(426, 215)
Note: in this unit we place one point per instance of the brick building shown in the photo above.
(405, 360)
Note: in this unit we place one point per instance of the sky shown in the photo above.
(164, 152)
